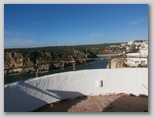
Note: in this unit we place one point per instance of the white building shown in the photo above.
(135, 62)
(143, 52)
(127, 48)
(136, 43)
(123, 44)
(130, 42)
(143, 49)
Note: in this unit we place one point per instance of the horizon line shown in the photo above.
(72, 45)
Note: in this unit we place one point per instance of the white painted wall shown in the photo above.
(144, 53)
(133, 54)
(132, 61)
(31, 94)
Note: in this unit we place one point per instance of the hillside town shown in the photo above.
(137, 51)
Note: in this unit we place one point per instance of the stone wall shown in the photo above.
(116, 63)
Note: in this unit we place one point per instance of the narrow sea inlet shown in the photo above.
(97, 64)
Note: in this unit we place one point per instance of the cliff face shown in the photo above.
(117, 63)
(29, 57)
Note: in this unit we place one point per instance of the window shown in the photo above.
(136, 61)
(142, 62)
(143, 46)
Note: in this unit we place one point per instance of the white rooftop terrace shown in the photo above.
(31, 94)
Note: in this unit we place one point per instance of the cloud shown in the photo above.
(8, 33)
(95, 34)
(21, 43)
(37, 23)
(14, 39)
(137, 21)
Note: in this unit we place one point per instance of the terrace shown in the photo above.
(102, 88)
(101, 103)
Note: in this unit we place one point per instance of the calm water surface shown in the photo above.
(98, 64)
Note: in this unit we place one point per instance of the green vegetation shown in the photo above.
(20, 57)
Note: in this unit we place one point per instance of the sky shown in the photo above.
(39, 25)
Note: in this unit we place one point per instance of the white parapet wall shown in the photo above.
(133, 54)
(33, 93)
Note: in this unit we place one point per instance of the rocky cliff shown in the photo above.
(29, 57)
(117, 63)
